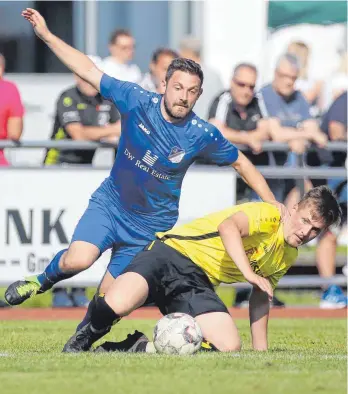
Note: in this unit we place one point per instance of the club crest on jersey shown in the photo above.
(176, 155)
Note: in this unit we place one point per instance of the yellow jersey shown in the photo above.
(269, 255)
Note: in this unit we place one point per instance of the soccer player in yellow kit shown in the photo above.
(248, 242)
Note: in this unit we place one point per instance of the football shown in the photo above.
(177, 333)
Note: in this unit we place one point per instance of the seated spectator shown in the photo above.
(310, 88)
(237, 115)
(121, 47)
(153, 80)
(335, 125)
(289, 110)
(336, 84)
(289, 114)
(191, 48)
(81, 114)
(11, 111)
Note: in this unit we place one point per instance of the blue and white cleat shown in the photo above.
(333, 298)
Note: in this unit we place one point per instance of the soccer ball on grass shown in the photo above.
(177, 333)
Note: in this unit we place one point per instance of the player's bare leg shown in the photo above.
(219, 329)
(67, 263)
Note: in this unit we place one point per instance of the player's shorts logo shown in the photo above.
(176, 155)
(149, 158)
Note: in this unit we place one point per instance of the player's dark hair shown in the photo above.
(163, 51)
(118, 33)
(324, 204)
(185, 65)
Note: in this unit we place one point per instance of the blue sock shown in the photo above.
(53, 273)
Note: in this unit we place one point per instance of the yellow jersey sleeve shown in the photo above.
(262, 217)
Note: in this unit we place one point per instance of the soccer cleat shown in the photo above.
(21, 290)
(130, 344)
(333, 298)
(277, 303)
(242, 300)
(83, 339)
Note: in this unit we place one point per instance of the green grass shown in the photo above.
(305, 356)
(227, 294)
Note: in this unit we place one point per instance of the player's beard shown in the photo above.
(170, 113)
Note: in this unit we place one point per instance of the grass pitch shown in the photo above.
(306, 356)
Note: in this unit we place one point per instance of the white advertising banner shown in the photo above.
(41, 207)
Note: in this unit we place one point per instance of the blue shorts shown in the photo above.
(106, 225)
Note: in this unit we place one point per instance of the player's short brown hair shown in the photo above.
(324, 204)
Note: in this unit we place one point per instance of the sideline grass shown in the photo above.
(227, 294)
(306, 356)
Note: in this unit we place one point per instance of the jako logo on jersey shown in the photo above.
(150, 159)
(145, 130)
(176, 155)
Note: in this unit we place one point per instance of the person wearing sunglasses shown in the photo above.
(288, 110)
(237, 114)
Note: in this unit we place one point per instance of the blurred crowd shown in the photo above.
(293, 109)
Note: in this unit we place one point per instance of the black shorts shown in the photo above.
(176, 284)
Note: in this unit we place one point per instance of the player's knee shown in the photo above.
(230, 346)
(74, 262)
(118, 304)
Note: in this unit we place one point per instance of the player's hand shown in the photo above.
(255, 145)
(320, 139)
(262, 284)
(38, 23)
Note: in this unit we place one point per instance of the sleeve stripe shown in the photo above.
(262, 105)
(222, 107)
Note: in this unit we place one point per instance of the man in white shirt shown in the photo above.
(121, 47)
(160, 62)
(191, 48)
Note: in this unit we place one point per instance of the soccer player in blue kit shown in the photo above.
(161, 137)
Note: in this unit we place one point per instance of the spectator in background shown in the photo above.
(190, 48)
(334, 124)
(337, 84)
(310, 88)
(81, 114)
(153, 80)
(118, 65)
(11, 111)
(236, 113)
(289, 110)
(289, 114)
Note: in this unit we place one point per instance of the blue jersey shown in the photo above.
(153, 155)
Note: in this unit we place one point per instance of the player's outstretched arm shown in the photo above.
(253, 178)
(75, 60)
(259, 312)
(231, 231)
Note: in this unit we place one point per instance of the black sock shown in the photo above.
(87, 318)
(102, 316)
